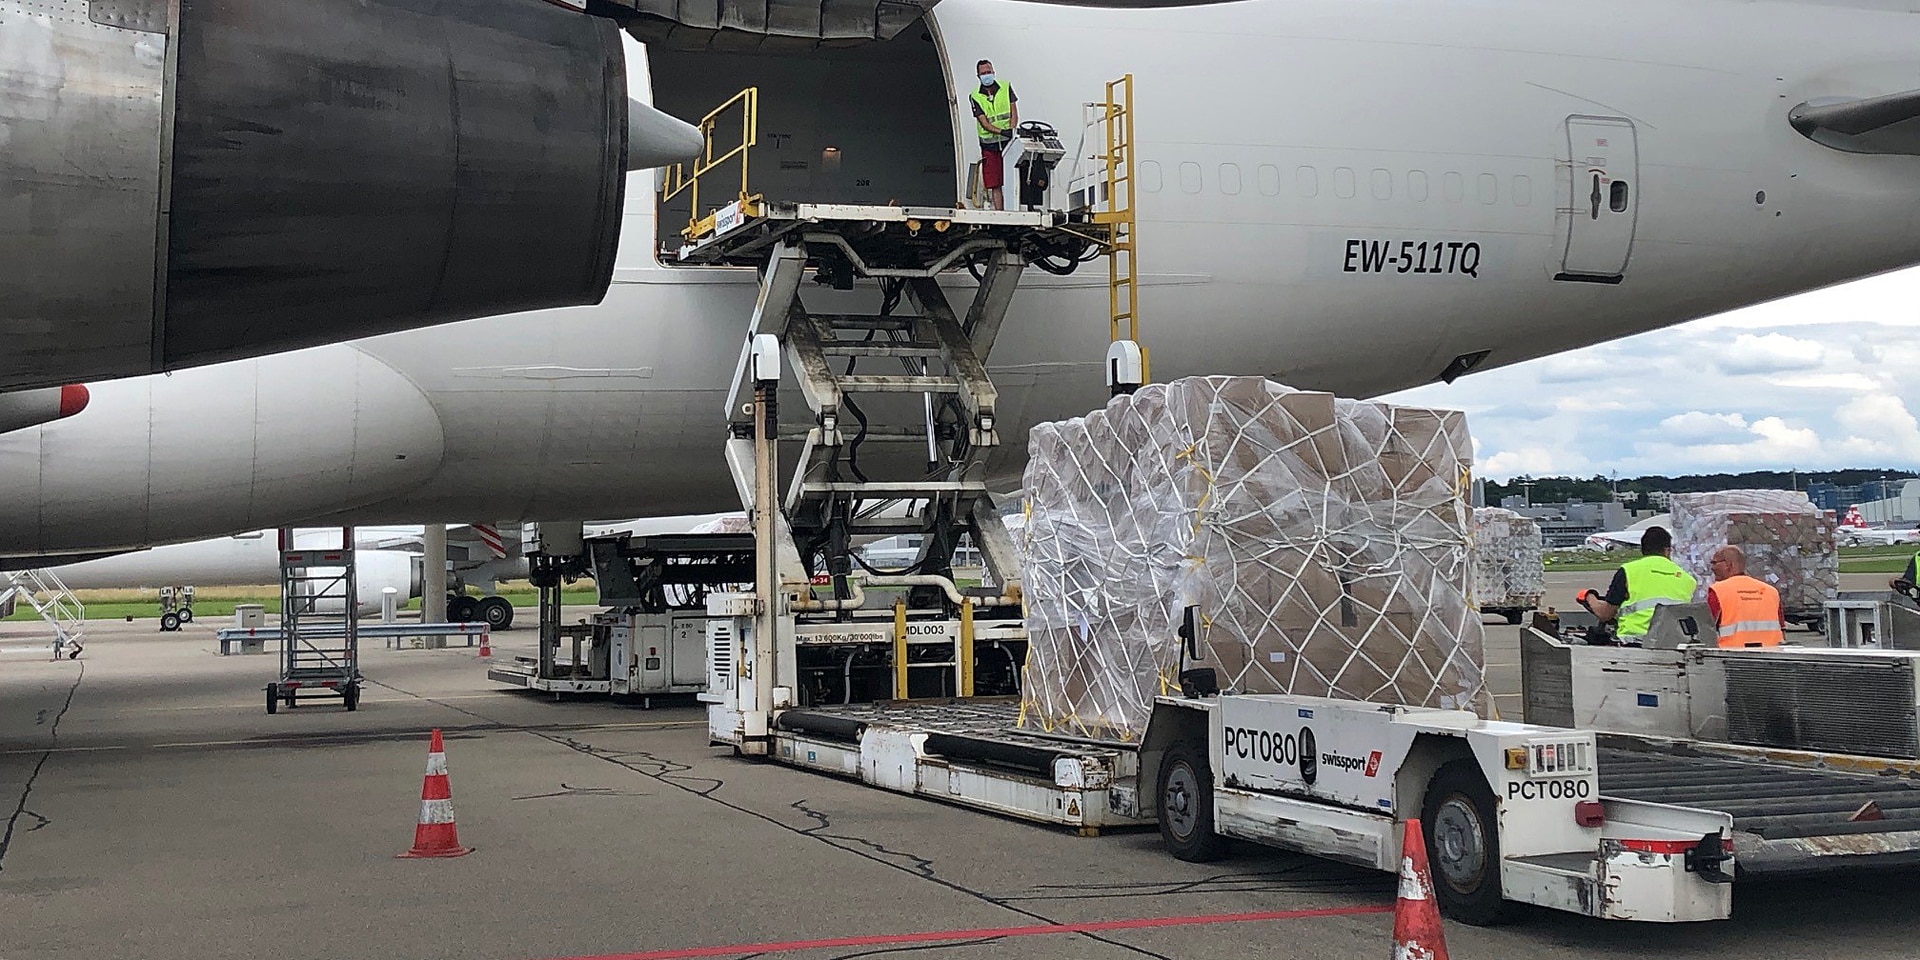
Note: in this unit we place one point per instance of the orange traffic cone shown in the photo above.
(486, 643)
(435, 835)
(1416, 917)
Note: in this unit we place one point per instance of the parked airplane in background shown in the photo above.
(1853, 531)
(1628, 539)
(478, 555)
(1409, 193)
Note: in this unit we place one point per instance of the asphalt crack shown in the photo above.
(679, 776)
(26, 793)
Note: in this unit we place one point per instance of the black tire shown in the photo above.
(273, 700)
(1186, 805)
(1463, 846)
(463, 609)
(186, 614)
(497, 612)
(1514, 616)
(352, 696)
(169, 622)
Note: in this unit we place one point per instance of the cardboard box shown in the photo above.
(1787, 540)
(1324, 541)
(1509, 568)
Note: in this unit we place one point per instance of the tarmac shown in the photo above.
(153, 809)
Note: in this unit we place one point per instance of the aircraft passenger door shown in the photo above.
(1603, 158)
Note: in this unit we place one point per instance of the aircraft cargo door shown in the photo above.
(1603, 158)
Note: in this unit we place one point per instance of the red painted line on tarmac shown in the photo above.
(1038, 930)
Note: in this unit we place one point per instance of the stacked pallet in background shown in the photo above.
(1324, 542)
(1788, 541)
(1509, 570)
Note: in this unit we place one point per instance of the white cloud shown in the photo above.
(1834, 382)
(1580, 366)
(1772, 353)
(1535, 461)
(1695, 426)
(1818, 382)
(1879, 427)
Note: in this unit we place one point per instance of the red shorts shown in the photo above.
(993, 171)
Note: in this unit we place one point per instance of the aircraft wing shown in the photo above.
(1888, 124)
(1615, 539)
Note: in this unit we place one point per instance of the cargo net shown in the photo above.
(1509, 571)
(1787, 540)
(1324, 542)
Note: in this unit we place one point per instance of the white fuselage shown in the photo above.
(1591, 171)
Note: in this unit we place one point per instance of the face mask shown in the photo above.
(986, 79)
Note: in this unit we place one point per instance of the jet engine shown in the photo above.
(188, 181)
(374, 572)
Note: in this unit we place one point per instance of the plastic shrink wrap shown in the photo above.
(1787, 540)
(1324, 542)
(1509, 572)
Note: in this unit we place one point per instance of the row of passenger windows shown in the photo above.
(1381, 184)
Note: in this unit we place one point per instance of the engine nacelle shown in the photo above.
(375, 571)
(188, 181)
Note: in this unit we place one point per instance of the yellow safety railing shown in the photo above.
(1118, 214)
(685, 178)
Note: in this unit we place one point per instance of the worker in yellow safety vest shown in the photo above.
(996, 111)
(1641, 585)
(1746, 610)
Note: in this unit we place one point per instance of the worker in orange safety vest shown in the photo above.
(1746, 610)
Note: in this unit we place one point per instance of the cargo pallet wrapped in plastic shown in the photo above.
(1323, 541)
(1787, 540)
(1509, 568)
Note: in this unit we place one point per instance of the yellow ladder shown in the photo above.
(1117, 214)
(685, 178)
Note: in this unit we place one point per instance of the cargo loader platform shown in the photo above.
(882, 241)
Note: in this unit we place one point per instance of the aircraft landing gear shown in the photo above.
(497, 612)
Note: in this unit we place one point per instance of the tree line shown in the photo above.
(1599, 488)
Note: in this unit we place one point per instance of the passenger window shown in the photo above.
(1230, 179)
(1522, 190)
(1307, 181)
(1417, 186)
(1343, 182)
(1190, 177)
(1489, 188)
(1150, 176)
(1455, 186)
(1382, 185)
(1269, 179)
(1618, 196)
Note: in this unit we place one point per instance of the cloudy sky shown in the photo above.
(1820, 381)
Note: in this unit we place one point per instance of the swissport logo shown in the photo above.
(1338, 761)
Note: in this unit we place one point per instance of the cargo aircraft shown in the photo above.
(1348, 195)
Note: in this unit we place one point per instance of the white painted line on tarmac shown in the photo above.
(350, 737)
(38, 750)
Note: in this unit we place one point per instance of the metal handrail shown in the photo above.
(684, 178)
(1117, 119)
